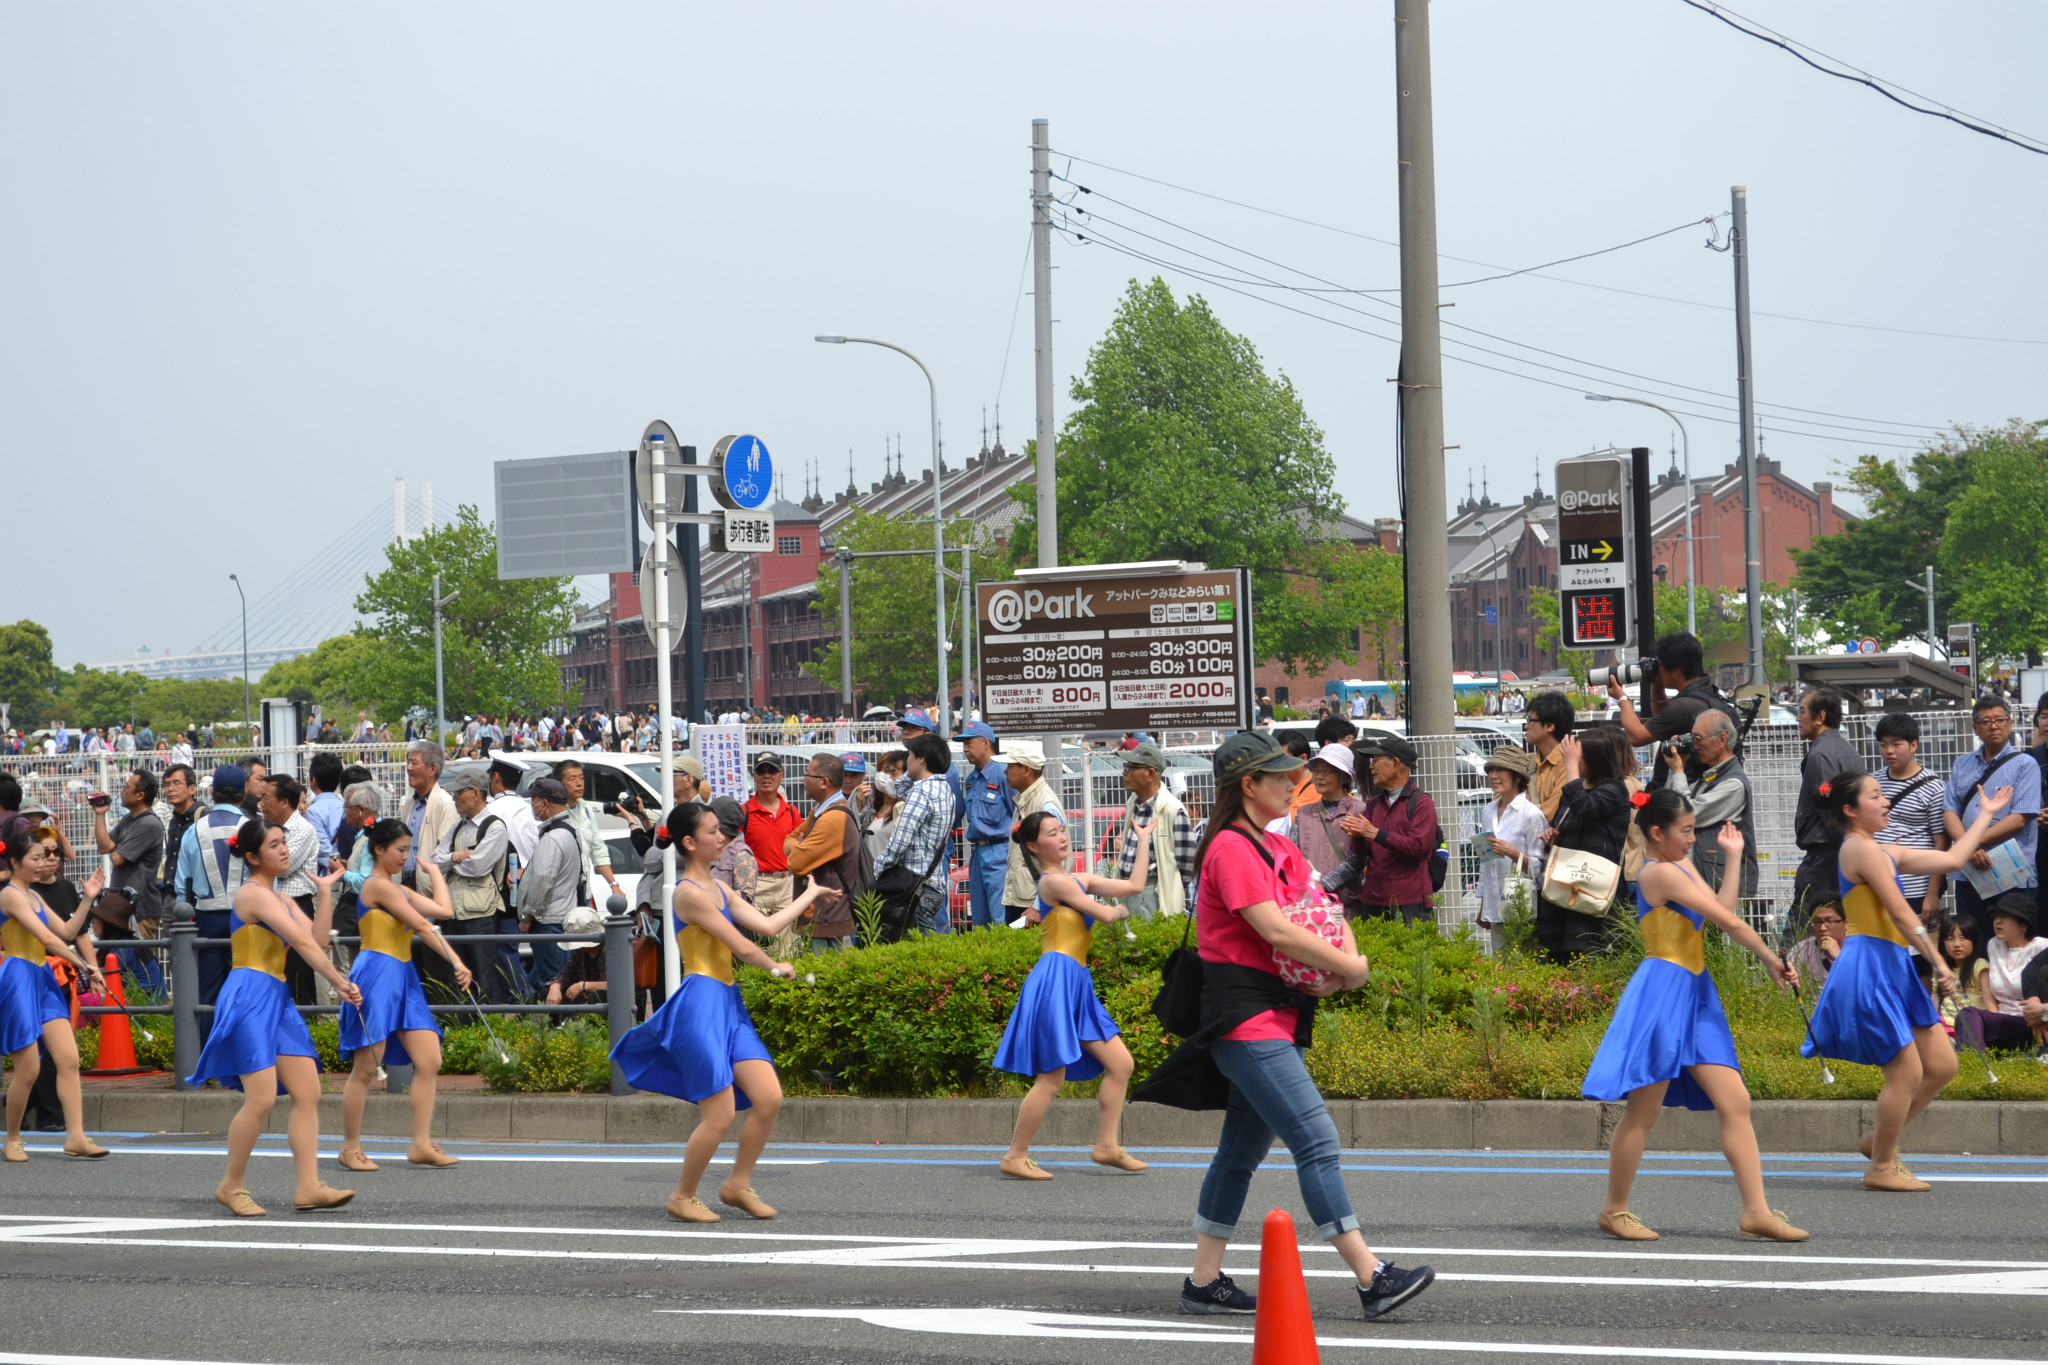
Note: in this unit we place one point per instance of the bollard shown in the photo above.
(618, 980)
(184, 928)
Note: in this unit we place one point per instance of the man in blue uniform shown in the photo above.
(991, 810)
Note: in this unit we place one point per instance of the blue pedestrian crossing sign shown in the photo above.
(742, 473)
(1492, 614)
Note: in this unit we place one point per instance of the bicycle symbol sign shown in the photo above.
(747, 472)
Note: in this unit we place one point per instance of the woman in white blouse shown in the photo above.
(1511, 831)
(2002, 1020)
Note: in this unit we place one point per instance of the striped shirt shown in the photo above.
(1915, 823)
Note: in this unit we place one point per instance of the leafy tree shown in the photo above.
(92, 697)
(1854, 583)
(1993, 549)
(1550, 634)
(337, 675)
(28, 674)
(1183, 447)
(1337, 587)
(894, 624)
(497, 636)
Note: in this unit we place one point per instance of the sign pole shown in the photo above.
(657, 513)
(1640, 535)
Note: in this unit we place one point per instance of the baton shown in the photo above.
(1827, 1077)
(503, 1056)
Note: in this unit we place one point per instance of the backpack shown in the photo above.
(562, 823)
(1440, 857)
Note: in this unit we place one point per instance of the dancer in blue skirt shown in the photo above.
(701, 1046)
(395, 1026)
(1873, 1008)
(1669, 1043)
(32, 1009)
(258, 1040)
(1059, 1031)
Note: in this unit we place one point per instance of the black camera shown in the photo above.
(628, 802)
(1629, 674)
(1682, 742)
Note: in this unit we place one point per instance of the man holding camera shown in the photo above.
(1683, 693)
(1719, 794)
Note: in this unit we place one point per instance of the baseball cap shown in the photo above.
(731, 818)
(1389, 746)
(917, 718)
(687, 763)
(767, 763)
(978, 729)
(582, 920)
(457, 777)
(1146, 755)
(228, 777)
(1251, 751)
(852, 763)
(1030, 758)
(550, 789)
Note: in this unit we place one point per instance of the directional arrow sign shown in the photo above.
(1593, 571)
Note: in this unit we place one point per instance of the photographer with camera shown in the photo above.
(1719, 795)
(1682, 694)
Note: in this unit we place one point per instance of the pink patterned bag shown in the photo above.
(1318, 912)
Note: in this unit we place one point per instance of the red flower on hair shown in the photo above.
(233, 839)
(1639, 799)
(1827, 789)
(661, 834)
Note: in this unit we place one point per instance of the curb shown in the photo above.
(1954, 1127)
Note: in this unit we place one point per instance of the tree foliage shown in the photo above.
(894, 624)
(336, 675)
(498, 636)
(1993, 548)
(28, 674)
(1183, 447)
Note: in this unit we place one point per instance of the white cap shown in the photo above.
(1337, 756)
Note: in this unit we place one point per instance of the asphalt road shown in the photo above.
(561, 1253)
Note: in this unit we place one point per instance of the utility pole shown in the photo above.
(1930, 611)
(693, 599)
(1745, 397)
(440, 694)
(1041, 327)
(845, 558)
(1431, 706)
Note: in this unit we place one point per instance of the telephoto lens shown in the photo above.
(1629, 674)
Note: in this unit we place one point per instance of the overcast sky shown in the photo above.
(259, 259)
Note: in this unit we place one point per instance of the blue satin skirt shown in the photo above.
(29, 999)
(1668, 1020)
(1056, 1012)
(687, 1047)
(254, 1024)
(393, 1001)
(1870, 1005)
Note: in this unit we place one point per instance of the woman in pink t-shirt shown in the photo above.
(1258, 1040)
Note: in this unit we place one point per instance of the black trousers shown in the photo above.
(299, 976)
(214, 964)
(485, 961)
(1819, 881)
(44, 1113)
(1563, 934)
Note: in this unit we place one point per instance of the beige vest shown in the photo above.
(1020, 888)
(1165, 871)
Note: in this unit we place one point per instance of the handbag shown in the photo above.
(1581, 882)
(1178, 1006)
(1318, 912)
(899, 888)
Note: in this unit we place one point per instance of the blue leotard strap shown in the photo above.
(724, 902)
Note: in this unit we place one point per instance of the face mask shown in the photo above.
(884, 784)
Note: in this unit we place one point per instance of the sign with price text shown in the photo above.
(1593, 568)
(1146, 651)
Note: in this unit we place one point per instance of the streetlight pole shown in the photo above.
(944, 717)
(1499, 609)
(1692, 623)
(248, 716)
(440, 694)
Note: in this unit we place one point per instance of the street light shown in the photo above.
(938, 517)
(248, 716)
(1692, 625)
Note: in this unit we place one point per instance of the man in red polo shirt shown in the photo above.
(770, 822)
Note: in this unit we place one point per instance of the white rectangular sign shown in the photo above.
(1571, 576)
(1050, 696)
(722, 749)
(751, 533)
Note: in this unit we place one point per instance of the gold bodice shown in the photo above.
(1064, 930)
(1673, 937)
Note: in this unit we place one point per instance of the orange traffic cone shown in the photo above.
(117, 1043)
(1284, 1332)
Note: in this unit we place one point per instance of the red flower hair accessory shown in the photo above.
(1639, 799)
(1827, 789)
(233, 839)
(661, 835)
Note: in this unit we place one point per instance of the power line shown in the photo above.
(1857, 76)
(1534, 272)
(1023, 272)
(1508, 341)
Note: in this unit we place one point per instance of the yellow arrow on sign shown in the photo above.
(1605, 549)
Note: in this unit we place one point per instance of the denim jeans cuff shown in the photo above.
(1227, 1230)
(1330, 1232)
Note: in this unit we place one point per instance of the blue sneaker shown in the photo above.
(1391, 1287)
(1220, 1295)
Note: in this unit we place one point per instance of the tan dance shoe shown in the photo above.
(1626, 1226)
(1894, 1179)
(91, 1151)
(240, 1203)
(1773, 1228)
(13, 1151)
(352, 1159)
(743, 1198)
(434, 1156)
(326, 1197)
(1118, 1160)
(690, 1209)
(1022, 1168)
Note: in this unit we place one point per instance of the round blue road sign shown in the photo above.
(744, 473)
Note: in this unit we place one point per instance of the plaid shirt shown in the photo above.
(302, 843)
(922, 824)
(1185, 841)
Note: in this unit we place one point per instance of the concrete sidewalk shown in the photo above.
(1978, 1127)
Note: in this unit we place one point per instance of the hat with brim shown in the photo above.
(1024, 758)
(687, 763)
(551, 790)
(767, 763)
(1389, 746)
(582, 920)
(1251, 751)
(1336, 756)
(1512, 758)
(1146, 755)
(2019, 905)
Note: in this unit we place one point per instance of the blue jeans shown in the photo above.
(214, 963)
(548, 960)
(988, 866)
(930, 914)
(1272, 1095)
